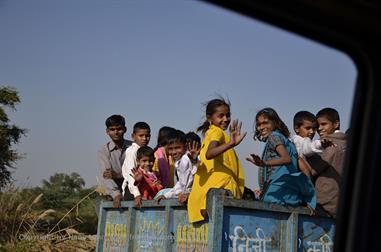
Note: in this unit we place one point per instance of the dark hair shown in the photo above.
(331, 114)
(176, 136)
(248, 194)
(301, 116)
(162, 137)
(115, 120)
(192, 137)
(272, 115)
(211, 107)
(144, 151)
(141, 125)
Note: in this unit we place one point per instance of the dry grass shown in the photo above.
(19, 220)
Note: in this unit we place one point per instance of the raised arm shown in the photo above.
(215, 148)
(284, 158)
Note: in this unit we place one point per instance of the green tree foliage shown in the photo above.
(69, 184)
(9, 135)
(61, 193)
(62, 190)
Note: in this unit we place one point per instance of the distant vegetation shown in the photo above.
(10, 134)
(39, 218)
(59, 208)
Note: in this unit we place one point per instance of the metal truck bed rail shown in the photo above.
(233, 225)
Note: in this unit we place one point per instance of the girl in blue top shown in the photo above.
(280, 179)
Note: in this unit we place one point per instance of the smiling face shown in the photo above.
(326, 127)
(307, 129)
(141, 137)
(176, 150)
(264, 126)
(146, 162)
(221, 117)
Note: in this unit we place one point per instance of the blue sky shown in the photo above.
(74, 63)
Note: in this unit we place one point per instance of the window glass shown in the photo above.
(74, 63)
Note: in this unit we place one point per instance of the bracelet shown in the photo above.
(265, 163)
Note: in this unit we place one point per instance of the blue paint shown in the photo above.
(315, 234)
(114, 230)
(254, 229)
(233, 225)
(149, 233)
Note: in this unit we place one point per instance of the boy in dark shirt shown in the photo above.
(327, 166)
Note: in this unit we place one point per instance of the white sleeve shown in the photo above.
(128, 164)
(297, 140)
(170, 193)
(188, 187)
(183, 171)
(309, 147)
(316, 146)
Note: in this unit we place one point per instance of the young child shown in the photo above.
(141, 135)
(191, 137)
(110, 158)
(219, 167)
(327, 166)
(163, 165)
(145, 179)
(185, 164)
(279, 177)
(305, 129)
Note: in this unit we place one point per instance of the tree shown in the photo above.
(61, 182)
(61, 191)
(9, 135)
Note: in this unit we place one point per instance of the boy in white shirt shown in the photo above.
(305, 129)
(141, 135)
(185, 154)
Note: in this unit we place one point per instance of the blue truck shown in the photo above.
(233, 225)
(351, 27)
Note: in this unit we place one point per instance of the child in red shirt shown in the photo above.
(145, 179)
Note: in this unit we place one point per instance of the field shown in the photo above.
(58, 216)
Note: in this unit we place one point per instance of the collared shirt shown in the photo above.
(110, 156)
(305, 146)
(185, 171)
(128, 164)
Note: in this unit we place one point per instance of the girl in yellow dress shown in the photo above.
(219, 167)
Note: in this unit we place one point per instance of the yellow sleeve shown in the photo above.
(155, 167)
(216, 134)
(213, 134)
